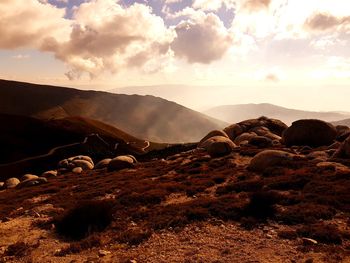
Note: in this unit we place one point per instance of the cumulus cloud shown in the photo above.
(108, 37)
(26, 23)
(203, 40)
(255, 5)
(326, 21)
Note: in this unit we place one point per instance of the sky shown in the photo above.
(293, 53)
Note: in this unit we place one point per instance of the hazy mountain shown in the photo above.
(143, 116)
(236, 113)
(345, 122)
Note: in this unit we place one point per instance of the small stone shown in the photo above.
(103, 253)
(29, 177)
(309, 241)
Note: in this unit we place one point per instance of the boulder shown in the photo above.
(219, 146)
(77, 170)
(12, 182)
(84, 164)
(275, 126)
(244, 137)
(344, 149)
(103, 163)
(32, 182)
(81, 157)
(260, 130)
(2, 185)
(260, 141)
(269, 158)
(48, 174)
(338, 167)
(121, 162)
(233, 131)
(343, 132)
(28, 177)
(213, 134)
(310, 132)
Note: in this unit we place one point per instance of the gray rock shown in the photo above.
(269, 158)
(28, 176)
(84, 164)
(260, 141)
(220, 146)
(48, 174)
(121, 162)
(311, 132)
(32, 182)
(12, 182)
(233, 131)
(77, 170)
(213, 134)
(244, 137)
(103, 163)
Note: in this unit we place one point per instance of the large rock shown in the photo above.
(260, 141)
(121, 162)
(343, 132)
(219, 146)
(233, 131)
(33, 181)
(83, 161)
(244, 137)
(103, 163)
(312, 133)
(344, 149)
(269, 158)
(213, 134)
(12, 182)
(48, 174)
(275, 126)
(85, 165)
(29, 176)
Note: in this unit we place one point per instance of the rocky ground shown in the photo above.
(249, 199)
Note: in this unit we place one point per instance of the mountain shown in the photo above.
(146, 117)
(236, 113)
(345, 122)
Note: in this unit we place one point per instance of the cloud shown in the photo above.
(203, 40)
(255, 5)
(326, 21)
(109, 37)
(272, 77)
(27, 23)
(21, 56)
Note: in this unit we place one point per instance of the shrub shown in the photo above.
(328, 234)
(261, 205)
(19, 249)
(134, 237)
(84, 219)
(77, 247)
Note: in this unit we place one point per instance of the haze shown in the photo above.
(203, 53)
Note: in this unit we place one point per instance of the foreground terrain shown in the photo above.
(200, 204)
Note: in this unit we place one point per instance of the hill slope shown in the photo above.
(144, 116)
(345, 122)
(236, 113)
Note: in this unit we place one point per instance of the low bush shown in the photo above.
(84, 219)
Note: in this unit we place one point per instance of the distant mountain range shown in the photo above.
(237, 113)
(146, 117)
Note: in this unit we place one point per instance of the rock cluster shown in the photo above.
(75, 164)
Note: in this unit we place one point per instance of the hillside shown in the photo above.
(345, 122)
(146, 117)
(252, 203)
(236, 113)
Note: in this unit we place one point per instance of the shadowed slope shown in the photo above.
(144, 116)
